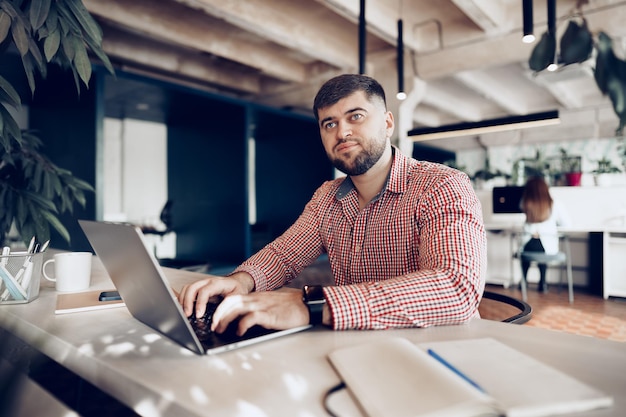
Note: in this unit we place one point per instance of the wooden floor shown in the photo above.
(588, 315)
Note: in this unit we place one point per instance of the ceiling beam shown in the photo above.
(292, 24)
(490, 16)
(140, 51)
(484, 85)
(191, 30)
(451, 104)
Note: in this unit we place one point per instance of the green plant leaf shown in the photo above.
(81, 62)
(20, 37)
(38, 13)
(9, 9)
(37, 179)
(97, 50)
(5, 25)
(543, 53)
(20, 209)
(68, 45)
(88, 24)
(33, 48)
(67, 20)
(51, 44)
(83, 185)
(11, 128)
(52, 22)
(58, 226)
(41, 201)
(29, 70)
(8, 94)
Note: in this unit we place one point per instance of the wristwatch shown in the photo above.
(313, 298)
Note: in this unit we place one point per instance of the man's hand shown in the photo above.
(279, 310)
(200, 292)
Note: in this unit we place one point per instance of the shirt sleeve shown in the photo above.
(448, 284)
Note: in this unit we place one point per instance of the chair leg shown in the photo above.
(523, 286)
(570, 283)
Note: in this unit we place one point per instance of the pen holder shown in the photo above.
(20, 277)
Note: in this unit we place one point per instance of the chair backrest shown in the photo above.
(501, 307)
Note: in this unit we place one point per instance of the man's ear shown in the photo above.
(390, 123)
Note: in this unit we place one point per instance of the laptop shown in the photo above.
(148, 296)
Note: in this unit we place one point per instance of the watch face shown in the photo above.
(314, 293)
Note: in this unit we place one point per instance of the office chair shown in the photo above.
(503, 305)
(561, 259)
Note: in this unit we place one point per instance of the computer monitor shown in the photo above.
(507, 199)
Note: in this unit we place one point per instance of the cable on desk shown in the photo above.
(331, 391)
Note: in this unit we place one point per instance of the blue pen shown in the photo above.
(454, 369)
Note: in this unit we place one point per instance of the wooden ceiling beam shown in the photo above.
(139, 51)
(191, 30)
(298, 25)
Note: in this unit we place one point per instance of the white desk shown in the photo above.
(287, 376)
(607, 264)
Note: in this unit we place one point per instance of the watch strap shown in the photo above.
(313, 298)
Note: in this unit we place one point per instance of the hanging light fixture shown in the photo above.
(362, 38)
(527, 10)
(552, 31)
(502, 124)
(400, 63)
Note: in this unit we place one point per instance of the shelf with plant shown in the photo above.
(33, 190)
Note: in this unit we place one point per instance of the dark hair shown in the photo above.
(342, 86)
(536, 200)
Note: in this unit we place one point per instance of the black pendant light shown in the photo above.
(401, 95)
(527, 10)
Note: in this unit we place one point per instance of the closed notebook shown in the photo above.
(83, 301)
(394, 377)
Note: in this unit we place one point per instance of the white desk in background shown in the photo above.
(606, 268)
(287, 376)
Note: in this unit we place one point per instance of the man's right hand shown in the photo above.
(200, 292)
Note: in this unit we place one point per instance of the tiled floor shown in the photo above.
(589, 315)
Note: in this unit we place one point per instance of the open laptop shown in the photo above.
(147, 294)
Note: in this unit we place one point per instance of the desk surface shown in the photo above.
(581, 228)
(287, 376)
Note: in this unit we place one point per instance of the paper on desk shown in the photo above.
(522, 385)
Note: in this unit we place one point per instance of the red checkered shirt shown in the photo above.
(415, 256)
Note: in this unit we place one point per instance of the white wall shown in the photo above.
(135, 177)
(135, 171)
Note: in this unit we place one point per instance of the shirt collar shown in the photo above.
(396, 180)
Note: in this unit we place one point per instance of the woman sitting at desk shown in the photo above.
(543, 215)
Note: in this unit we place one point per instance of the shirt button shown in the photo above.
(357, 248)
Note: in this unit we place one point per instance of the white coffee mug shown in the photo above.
(72, 271)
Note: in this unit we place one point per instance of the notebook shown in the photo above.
(147, 294)
(459, 378)
(83, 301)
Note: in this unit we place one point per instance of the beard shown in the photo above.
(363, 161)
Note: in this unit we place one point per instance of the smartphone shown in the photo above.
(109, 296)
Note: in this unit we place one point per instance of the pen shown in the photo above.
(454, 369)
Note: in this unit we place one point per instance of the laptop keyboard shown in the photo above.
(202, 325)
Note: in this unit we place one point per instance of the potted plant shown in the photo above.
(571, 168)
(33, 191)
(577, 45)
(603, 173)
